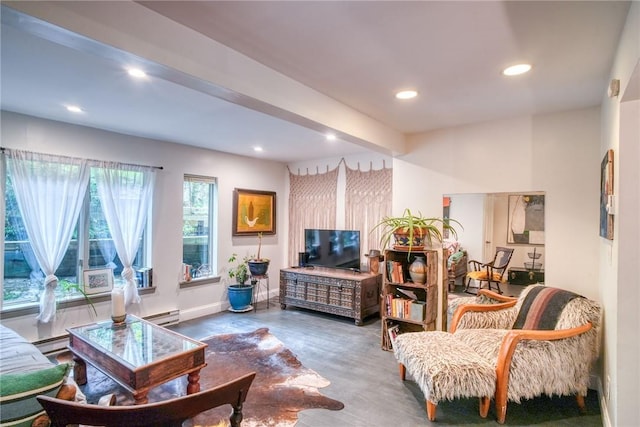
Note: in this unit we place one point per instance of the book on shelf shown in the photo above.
(407, 293)
(395, 272)
(405, 308)
(393, 330)
(417, 310)
(145, 277)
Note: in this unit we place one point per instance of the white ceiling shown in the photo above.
(358, 53)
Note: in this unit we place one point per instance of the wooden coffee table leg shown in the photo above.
(193, 379)
(141, 398)
(79, 371)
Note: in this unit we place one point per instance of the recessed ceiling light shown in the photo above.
(257, 149)
(406, 94)
(331, 137)
(136, 72)
(515, 70)
(74, 109)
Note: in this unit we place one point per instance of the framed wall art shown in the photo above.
(97, 280)
(606, 196)
(254, 212)
(526, 219)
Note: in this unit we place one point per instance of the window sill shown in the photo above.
(200, 281)
(32, 309)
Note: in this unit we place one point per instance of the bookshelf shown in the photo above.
(407, 306)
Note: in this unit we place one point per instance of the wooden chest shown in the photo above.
(349, 294)
(522, 276)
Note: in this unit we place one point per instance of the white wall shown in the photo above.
(468, 209)
(29, 133)
(533, 153)
(620, 296)
(555, 153)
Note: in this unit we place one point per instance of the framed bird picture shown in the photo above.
(254, 212)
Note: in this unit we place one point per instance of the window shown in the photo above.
(91, 246)
(199, 215)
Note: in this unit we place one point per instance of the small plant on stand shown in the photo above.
(258, 266)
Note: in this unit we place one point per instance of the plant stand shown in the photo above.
(256, 281)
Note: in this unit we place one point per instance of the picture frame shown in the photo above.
(97, 280)
(254, 212)
(526, 219)
(606, 196)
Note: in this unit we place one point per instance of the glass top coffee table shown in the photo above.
(139, 355)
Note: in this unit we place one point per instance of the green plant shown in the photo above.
(240, 271)
(258, 258)
(68, 287)
(413, 226)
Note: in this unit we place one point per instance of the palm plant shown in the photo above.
(413, 230)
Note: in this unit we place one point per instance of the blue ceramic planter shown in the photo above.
(258, 268)
(240, 297)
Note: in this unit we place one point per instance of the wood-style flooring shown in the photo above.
(365, 378)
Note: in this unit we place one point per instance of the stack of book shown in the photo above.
(395, 272)
(405, 308)
(145, 277)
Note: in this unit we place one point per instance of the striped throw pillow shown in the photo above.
(18, 404)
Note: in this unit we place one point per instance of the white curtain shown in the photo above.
(367, 201)
(126, 193)
(49, 191)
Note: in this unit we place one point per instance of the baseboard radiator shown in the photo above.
(57, 344)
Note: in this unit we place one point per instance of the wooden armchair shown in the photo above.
(492, 272)
(548, 348)
(169, 413)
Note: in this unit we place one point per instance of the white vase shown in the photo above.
(418, 270)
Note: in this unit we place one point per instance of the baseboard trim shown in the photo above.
(604, 409)
(202, 310)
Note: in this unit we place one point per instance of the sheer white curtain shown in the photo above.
(367, 201)
(312, 204)
(126, 193)
(49, 191)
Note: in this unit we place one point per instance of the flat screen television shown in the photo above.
(333, 248)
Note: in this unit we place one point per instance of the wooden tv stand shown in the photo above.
(345, 293)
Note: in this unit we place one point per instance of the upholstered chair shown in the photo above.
(544, 342)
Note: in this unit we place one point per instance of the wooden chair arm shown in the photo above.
(475, 264)
(494, 295)
(67, 392)
(508, 348)
(461, 310)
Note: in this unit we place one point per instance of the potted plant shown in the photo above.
(258, 266)
(240, 293)
(413, 231)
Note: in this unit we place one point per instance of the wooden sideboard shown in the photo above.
(344, 293)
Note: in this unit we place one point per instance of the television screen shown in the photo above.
(333, 248)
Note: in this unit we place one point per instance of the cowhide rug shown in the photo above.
(282, 386)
